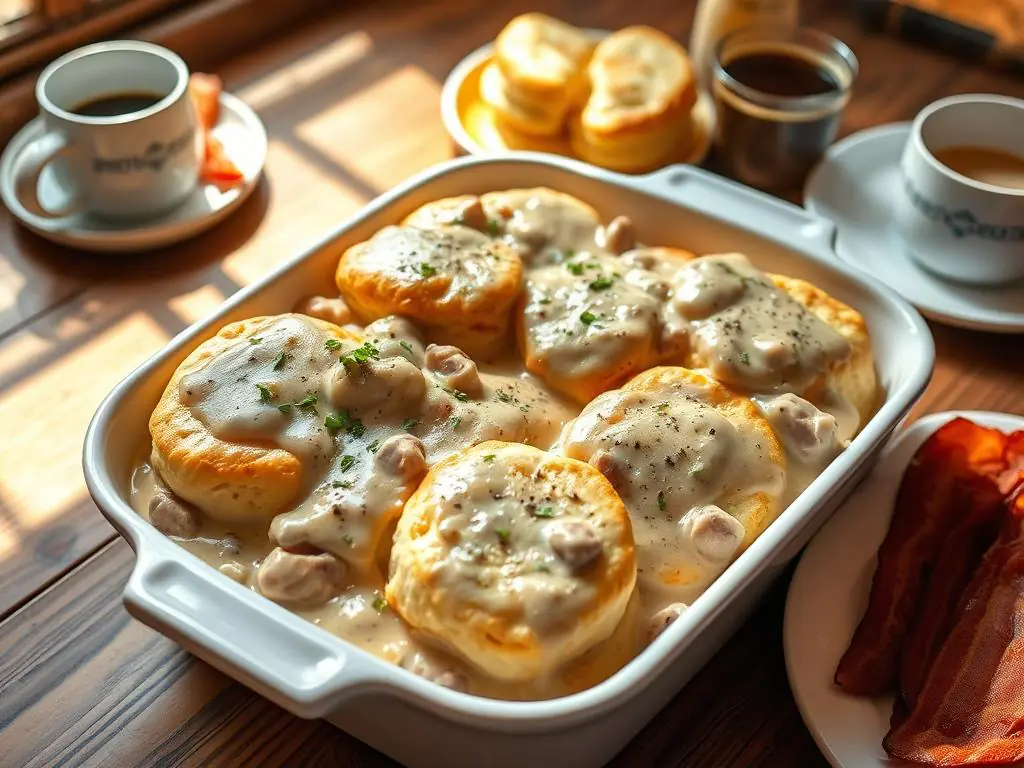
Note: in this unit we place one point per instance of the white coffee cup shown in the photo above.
(129, 166)
(955, 226)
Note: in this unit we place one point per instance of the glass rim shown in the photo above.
(800, 37)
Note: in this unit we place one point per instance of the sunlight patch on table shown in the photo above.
(296, 182)
(306, 71)
(45, 416)
(385, 132)
(198, 304)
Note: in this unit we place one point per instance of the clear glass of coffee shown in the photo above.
(779, 93)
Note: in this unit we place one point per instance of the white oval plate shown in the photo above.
(853, 186)
(455, 105)
(828, 596)
(245, 141)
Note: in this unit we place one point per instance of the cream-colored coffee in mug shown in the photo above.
(984, 164)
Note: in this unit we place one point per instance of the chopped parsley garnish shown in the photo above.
(744, 358)
(346, 484)
(503, 396)
(460, 396)
(662, 408)
(406, 345)
(380, 604)
(661, 500)
(332, 344)
(587, 318)
(456, 420)
(592, 265)
(602, 283)
(545, 300)
(308, 403)
(374, 446)
(575, 267)
(493, 227)
(266, 393)
(254, 340)
(343, 420)
(427, 270)
(360, 355)
(346, 462)
(696, 470)
(545, 512)
(347, 538)
(489, 458)
(279, 361)
(409, 424)
(503, 534)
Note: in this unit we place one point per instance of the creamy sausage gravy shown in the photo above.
(368, 417)
(678, 463)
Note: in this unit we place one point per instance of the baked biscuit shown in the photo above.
(457, 283)
(393, 408)
(587, 325)
(518, 559)
(538, 73)
(699, 467)
(542, 225)
(227, 435)
(638, 111)
(771, 335)
(852, 378)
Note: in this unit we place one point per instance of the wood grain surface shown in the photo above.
(350, 101)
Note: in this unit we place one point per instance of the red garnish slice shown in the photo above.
(218, 168)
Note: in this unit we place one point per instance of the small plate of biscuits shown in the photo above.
(625, 100)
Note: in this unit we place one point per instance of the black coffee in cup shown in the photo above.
(117, 104)
(779, 94)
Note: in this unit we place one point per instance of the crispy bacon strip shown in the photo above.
(962, 550)
(925, 512)
(1011, 481)
(971, 709)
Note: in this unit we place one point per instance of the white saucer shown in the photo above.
(829, 593)
(854, 186)
(245, 141)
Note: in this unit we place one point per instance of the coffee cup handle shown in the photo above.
(33, 160)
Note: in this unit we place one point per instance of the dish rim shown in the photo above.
(153, 548)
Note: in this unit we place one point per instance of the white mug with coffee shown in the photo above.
(960, 210)
(119, 132)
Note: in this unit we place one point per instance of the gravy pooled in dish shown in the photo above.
(445, 506)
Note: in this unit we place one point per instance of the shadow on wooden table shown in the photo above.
(189, 256)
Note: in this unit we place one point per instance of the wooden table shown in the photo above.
(351, 106)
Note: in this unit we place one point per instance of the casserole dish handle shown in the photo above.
(719, 198)
(281, 657)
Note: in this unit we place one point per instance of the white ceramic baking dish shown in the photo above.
(314, 674)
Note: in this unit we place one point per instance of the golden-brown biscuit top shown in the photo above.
(680, 448)
(541, 55)
(590, 323)
(446, 275)
(748, 332)
(518, 558)
(637, 74)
